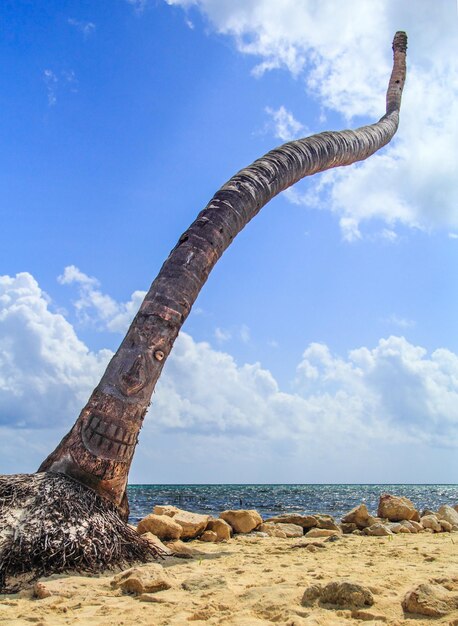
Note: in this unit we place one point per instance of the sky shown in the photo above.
(324, 346)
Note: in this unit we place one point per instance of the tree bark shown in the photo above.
(99, 448)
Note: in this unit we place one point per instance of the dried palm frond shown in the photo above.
(50, 523)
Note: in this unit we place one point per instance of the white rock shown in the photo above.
(242, 521)
(377, 530)
(431, 522)
(396, 508)
(321, 532)
(160, 525)
(221, 528)
(192, 524)
(448, 514)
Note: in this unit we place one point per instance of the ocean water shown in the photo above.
(271, 500)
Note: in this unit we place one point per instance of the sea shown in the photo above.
(269, 500)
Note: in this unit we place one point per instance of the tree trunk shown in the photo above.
(99, 448)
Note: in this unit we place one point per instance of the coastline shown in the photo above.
(273, 499)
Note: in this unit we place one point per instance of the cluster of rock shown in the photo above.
(435, 599)
(395, 514)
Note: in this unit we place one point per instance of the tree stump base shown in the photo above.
(50, 524)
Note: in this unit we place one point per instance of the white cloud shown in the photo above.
(284, 124)
(51, 84)
(342, 52)
(394, 391)
(86, 28)
(245, 334)
(395, 394)
(46, 372)
(52, 81)
(222, 335)
(139, 5)
(93, 306)
(401, 322)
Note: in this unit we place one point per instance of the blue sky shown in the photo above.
(324, 347)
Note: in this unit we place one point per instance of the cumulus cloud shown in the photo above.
(341, 50)
(393, 394)
(93, 306)
(46, 372)
(395, 389)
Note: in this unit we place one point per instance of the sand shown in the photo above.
(254, 581)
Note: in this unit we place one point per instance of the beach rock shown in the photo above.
(166, 509)
(346, 594)
(395, 527)
(242, 521)
(396, 508)
(306, 521)
(160, 525)
(448, 514)
(147, 579)
(455, 506)
(151, 597)
(192, 524)
(40, 591)
(414, 527)
(209, 536)
(155, 541)
(311, 593)
(431, 522)
(183, 550)
(359, 516)
(321, 532)
(275, 530)
(446, 526)
(430, 600)
(221, 528)
(427, 512)
(377, 530)
(348, 528)
(376, 520)
(290, 530)
(327, 522)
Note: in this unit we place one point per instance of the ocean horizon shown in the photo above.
(274, 499)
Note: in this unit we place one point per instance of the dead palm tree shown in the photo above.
(98, 450)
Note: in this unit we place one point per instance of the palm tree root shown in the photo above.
(50, 524)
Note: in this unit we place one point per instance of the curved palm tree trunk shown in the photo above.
(99, 448)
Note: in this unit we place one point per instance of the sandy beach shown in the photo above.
(253, 580)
